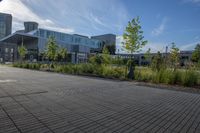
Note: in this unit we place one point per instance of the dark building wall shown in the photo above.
(5, 25)
(30, 26)
(8, 52)
(108, 40)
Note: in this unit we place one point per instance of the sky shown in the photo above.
(163, 21)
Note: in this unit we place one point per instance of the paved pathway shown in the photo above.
(32, 101)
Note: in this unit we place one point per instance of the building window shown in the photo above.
(12, 50)
(41, 33)
(6, 50)
(72, 39)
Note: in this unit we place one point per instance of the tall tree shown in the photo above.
(22, 52)
(196, 54)
(174, 55)
(133, 36)
(52, 48)
(133, 42)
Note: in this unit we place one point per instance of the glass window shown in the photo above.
(6, 50)
(11, 50)
(41, 33)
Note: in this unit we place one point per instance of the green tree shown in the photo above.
(52, 49)
(106, 56)
(133, 36)
(96, 59)
(196, 54)
(157, 62)
(22, 52)
(174, 56)
(133, 41)
(62, 53)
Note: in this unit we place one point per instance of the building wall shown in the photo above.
(109, 39)
(140, 58)
(5, 25)
(8, 52)
(106, 40)
(30, 26)
(64, 39)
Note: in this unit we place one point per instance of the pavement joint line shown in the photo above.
(180, 114)
(82, 115)
(167, 113)
(11, 119)
(28, 111)
(34, 93)
(54, 113)
(79, 104)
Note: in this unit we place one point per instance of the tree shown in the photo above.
(106, 56)
(174, 56)
(133, 41)
(62, 53)
(157, 62)
(22, 52)
(52, 48)
(133, 36)
(196, 54)
(147, 55)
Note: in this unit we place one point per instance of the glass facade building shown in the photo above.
(68, 41)
(5, 25)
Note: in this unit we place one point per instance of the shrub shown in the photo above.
(190, 78)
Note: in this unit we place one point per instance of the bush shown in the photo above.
(112, 72)
(166, 76)
(190, 78)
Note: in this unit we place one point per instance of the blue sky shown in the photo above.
(163, 21)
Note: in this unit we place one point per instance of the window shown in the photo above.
(2, 29)
(6, 50)
(41, 33)
(72, 39)
(12, 50)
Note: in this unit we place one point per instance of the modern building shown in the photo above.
(5, 25)
(107, 40)
(140, 60)
(8, 52)
(30, 26)
(35, 41)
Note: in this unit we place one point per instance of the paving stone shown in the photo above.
(49, 102)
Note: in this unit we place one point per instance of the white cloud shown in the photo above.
(21, 13)
(160, 29)
(89, 17)
(192, 1)
(154, 46)
(189, 46)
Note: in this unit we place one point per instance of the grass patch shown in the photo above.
(185, 77)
